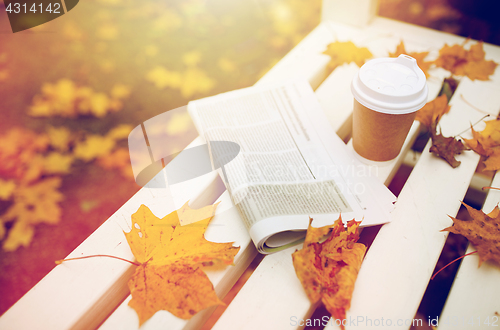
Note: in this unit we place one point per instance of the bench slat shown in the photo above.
(398, 265)
(475, 291)
(254, 302)
(298, 64)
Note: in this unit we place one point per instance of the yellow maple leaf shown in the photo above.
(346, 52)
(93, 146)
(162, 78)
(171, 255)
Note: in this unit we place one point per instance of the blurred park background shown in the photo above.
(72, 89)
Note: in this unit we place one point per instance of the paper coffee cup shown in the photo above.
(387, 94)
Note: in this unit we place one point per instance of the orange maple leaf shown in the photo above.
(487, 144)
(420, 57)
(470, 63)
(329, 269)
(483, 232)
(171, 255)
(346, 52)
(432, 110)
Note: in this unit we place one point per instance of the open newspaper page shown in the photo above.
(283, 173)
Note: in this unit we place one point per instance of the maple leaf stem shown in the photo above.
(484, 188)
(465, 255)
(58, 262)
(473, 106)
(477, 122)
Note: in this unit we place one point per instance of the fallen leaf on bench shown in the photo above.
(420, 57)
(487, 144)
(346, 52)
(329, 269)
(445, 147)
(432, 110)
(171, 256)
(462, 62)
(483, 232)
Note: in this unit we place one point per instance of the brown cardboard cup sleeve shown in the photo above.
(387, 94)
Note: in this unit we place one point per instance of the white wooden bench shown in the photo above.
(93, 293)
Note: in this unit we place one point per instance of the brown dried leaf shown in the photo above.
(328, 270)
(446, 147)
(483, 232)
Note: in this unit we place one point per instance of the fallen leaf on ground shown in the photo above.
(93, 146)
(120, 132)
(60, 138)
(162, 78)
(445, 147)
(171, 256)
(18, 148)
(57, 163)
(328, 270)
(33, 204)
(346, 52)
(118, 159)
(432, 110)
(65, 99)
(483, 232)
(420, 57)
(462, 62)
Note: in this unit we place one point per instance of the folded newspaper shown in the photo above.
(290, 165)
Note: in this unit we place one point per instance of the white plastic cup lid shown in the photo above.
(391, 85)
